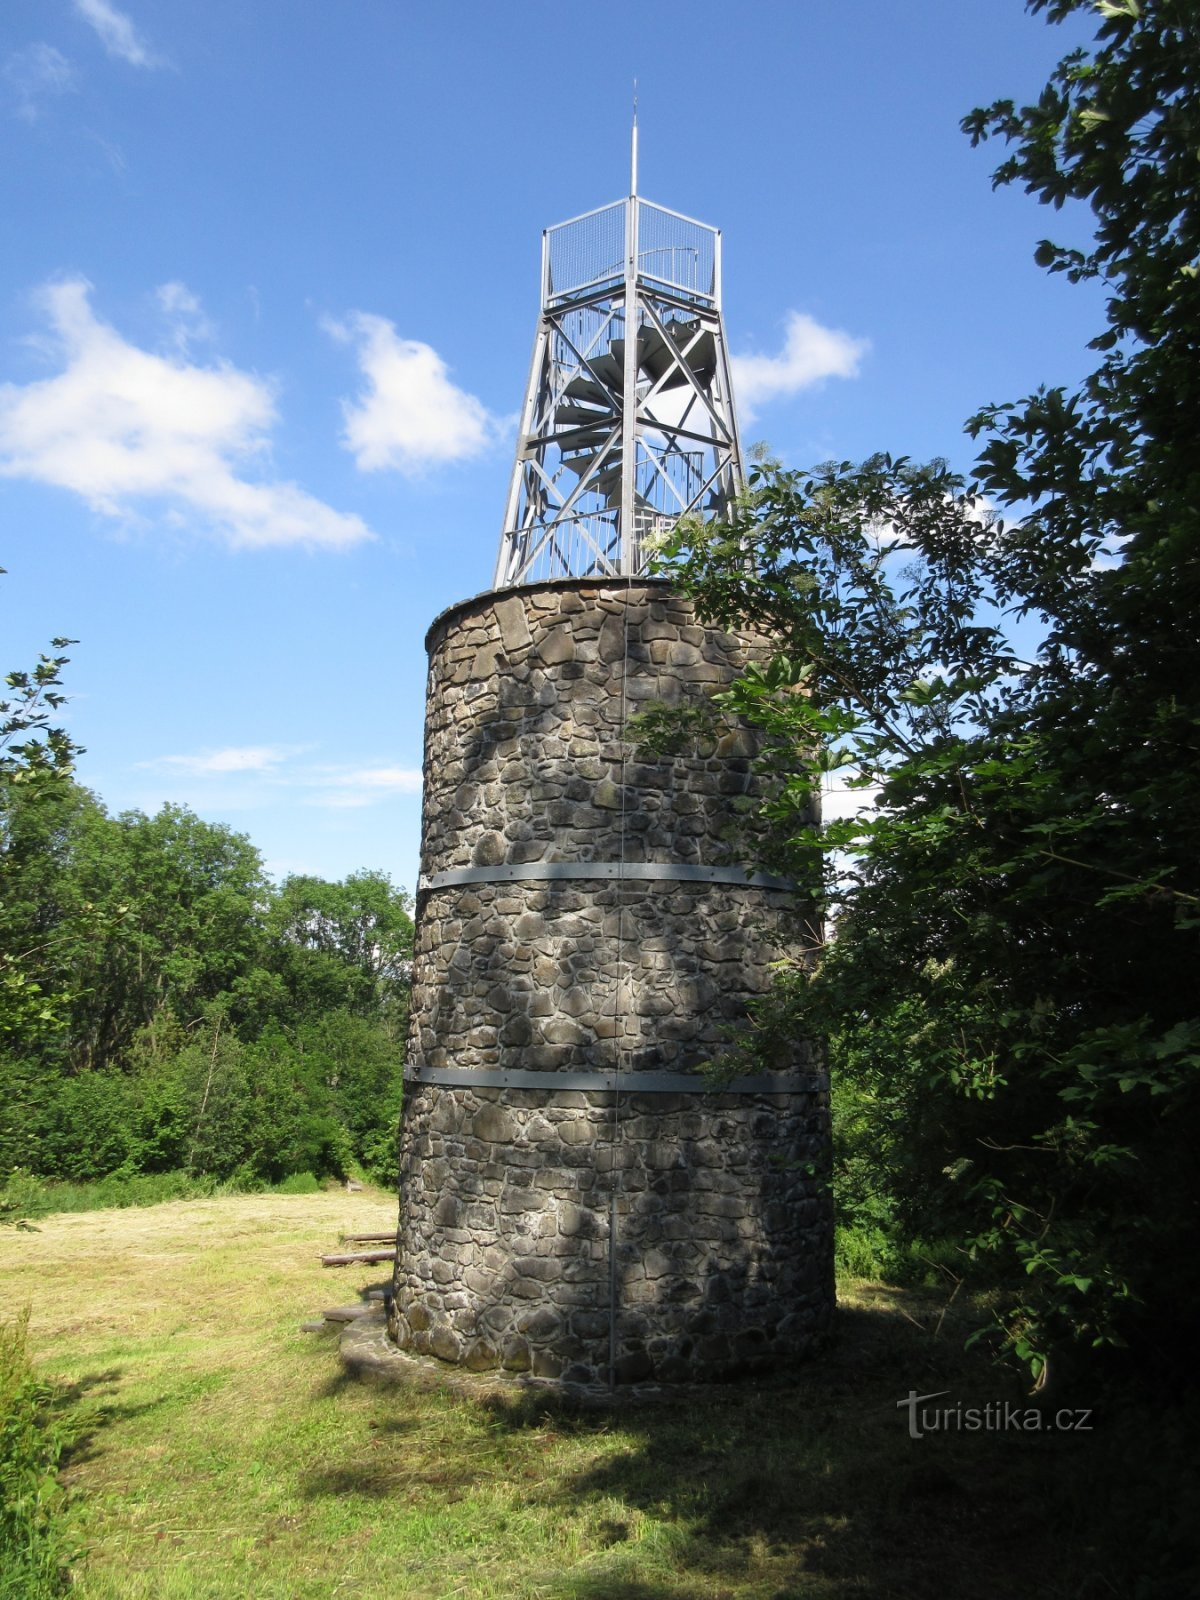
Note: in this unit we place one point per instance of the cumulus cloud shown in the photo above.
(33, 76)
(408, 416)
(811, 353)
(120, 425)
(117, 33)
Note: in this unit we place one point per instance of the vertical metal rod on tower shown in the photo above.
(628, 557)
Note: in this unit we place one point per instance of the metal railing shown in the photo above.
(586, 251)
(673, 250)
(581, 546)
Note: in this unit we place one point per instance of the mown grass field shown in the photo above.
(227, 1455)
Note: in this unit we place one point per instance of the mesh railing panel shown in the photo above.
(588, 250)
(676, 251)
(672, 250)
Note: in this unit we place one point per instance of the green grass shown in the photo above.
(226, 1453)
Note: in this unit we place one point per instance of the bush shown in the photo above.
(298, 1183)
(25, 1195)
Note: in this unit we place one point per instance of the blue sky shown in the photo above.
(268, 283)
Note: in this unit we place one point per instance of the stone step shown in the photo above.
(361, 1308)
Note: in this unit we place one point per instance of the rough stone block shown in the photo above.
(489, 850)
(633, 1367)
(514, 629)
(539, 1325)
(445, 1345)
(493, 1125)
(516, 1356)
(556, 647)
(480, 1356)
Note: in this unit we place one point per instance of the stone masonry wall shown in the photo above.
(722, 1229)
(558, 1229)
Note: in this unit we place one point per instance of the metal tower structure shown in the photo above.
(621, 437)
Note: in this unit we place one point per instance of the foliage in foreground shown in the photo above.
(33, 1436)
(1010, 999)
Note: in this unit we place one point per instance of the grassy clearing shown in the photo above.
(226, 1455)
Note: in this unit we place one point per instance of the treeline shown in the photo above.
(165, 1008)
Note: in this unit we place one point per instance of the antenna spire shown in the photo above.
(633, 146)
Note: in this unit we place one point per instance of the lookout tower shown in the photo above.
(621, 436)
(576, 1200)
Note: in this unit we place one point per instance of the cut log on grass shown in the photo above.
(348, 1313)
(351, 1257)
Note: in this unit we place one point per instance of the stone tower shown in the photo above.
(576, 1201)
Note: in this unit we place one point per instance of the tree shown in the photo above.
(36, 759)
(345, 944)
(42, 750)
(184, 901)
(1010, 998)
(204, 1020)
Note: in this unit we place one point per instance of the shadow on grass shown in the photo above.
(86, 1408)
(806, 1484)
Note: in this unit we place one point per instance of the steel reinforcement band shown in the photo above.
(612, 1081)
(603, 871)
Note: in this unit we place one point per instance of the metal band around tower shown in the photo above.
(607, 1081)
(600, 871)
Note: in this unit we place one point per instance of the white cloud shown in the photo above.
(177, 299)
(184, 314)
(839, 800)
(366, 786)
(118, 425)
(33, 75)
(403, 780)
(409, 416)
(112, 153)
(235, 758)
(811, 353)
(266, 767)
(985, 513)
(117, 33)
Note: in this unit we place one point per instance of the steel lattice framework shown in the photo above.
(621, 437)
